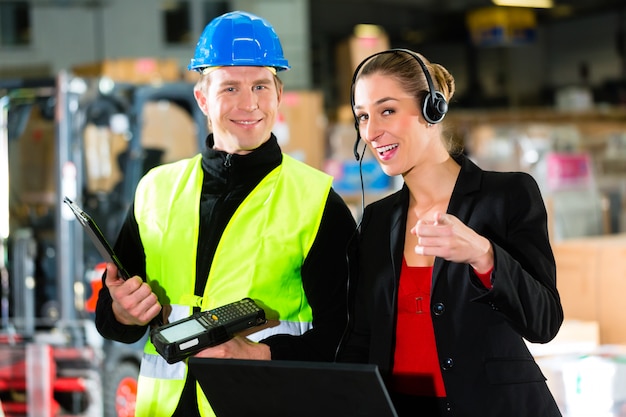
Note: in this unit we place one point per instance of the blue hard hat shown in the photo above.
(238, 39)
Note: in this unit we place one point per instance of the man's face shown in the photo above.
(241, 104)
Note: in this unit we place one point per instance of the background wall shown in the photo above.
(524, 74)
(66, 33)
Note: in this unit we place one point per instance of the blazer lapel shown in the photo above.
(467, 184)
(462, 200)
(396, 230)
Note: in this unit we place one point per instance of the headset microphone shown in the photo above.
(434, 107)
(356, 143)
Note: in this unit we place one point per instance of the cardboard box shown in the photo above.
(552, 369)
(32, 161)
(576, 337)
(594, 385)
(341, 139)
(589, 385)
(301, 126)
(168, 133)
(591, 281)
(168, 128)
(132, 70)
(102, 148)
(367, 40)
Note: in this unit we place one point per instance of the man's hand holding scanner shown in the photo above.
(447, 237)
(239, 347)
(134, 303)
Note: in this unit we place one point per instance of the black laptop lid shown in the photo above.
(237, 388)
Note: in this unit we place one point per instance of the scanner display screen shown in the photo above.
(182, 331)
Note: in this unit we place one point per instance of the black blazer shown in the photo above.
(486, 366)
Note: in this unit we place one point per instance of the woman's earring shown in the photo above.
(430, 124)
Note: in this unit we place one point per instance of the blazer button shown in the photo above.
(447, 364)
(439, 309)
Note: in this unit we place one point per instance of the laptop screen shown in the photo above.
(237, 388)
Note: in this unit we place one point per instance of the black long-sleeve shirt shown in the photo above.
(228, 179)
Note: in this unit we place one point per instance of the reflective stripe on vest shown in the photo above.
(259, 255)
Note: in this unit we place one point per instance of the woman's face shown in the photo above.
(391, 123)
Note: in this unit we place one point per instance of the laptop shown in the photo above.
(238, 387)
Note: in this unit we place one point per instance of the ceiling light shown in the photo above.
(539, 4)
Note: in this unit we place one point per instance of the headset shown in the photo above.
(434, 107)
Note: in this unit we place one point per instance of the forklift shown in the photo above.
(89, 139)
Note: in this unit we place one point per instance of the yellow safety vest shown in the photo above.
(259, 256)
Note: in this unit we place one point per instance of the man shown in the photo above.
(239, 220)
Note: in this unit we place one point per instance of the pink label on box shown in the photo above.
(568, 170)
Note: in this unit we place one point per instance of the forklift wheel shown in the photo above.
(121, 391)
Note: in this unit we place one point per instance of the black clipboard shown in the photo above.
(96, 236)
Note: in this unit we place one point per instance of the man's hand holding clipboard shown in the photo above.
(134, 303)
(133, 299)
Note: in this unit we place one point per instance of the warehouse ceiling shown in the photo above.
(414, 22)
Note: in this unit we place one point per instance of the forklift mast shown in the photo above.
(69, 177)
(74, 100)
(4, 210)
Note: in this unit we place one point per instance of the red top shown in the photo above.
(416, 368)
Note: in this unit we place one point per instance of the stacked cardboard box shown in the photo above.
(590, 279)
(301, 126)
(592, 384)
(132, 70)
(102, 149)
(576, 339)
(168, 133)
(170, 129)
(366, 40)
(32, 160)
(585, 365)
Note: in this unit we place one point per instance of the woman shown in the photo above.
(451, 272)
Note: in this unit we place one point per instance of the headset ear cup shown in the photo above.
(434, 109)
